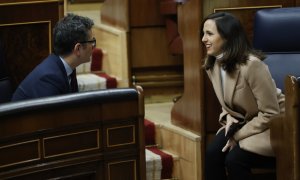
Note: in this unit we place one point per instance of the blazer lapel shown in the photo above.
(215, 76)
(230, 84)
(230, 81)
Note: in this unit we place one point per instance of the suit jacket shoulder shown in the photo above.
(47, 79)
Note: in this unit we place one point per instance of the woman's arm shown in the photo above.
(264, 91)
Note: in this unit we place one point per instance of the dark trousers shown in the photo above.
(233, 165)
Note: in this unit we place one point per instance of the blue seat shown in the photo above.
(6, 90)
(276, 32)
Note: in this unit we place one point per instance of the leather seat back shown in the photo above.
(6, 90)
(276, 32)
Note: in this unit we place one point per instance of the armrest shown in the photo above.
(285, 133)
(276, 130)
(69, 100)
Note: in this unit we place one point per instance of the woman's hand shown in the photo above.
(229, 121)
(231, 143)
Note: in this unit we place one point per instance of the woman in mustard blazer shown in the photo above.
(248, 96)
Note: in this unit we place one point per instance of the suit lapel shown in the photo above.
(64, 72)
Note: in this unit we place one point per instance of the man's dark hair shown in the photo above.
(69, 31)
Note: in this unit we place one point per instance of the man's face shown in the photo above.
(87, 48)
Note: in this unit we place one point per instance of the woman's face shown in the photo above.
(211, 38)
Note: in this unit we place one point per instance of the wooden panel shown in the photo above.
(131, 13)
(145, 13)
(149, 48)
(125, 110)
(33, 43)
(147, 45)
(77, 142)
(189, 110)
(122, 170)
(86, 1)
(42, 120)
(80, 171)
(27, 151)
(26, 30)
(116, 13)
(150, 56)
(30, 11)
(113, 138)
(209, 7)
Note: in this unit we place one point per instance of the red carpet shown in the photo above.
(167, 160)
(111, 82)
(149, 132)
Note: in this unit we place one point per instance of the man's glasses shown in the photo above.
(93, 42)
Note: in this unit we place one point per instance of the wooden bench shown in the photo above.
(285, 133)
(88, 135)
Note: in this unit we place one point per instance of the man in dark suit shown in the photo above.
(73, 43)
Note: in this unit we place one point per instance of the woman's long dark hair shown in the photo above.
(236, 46)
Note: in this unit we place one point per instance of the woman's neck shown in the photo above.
(219, 57)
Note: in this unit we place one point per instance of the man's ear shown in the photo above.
(76, 49)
